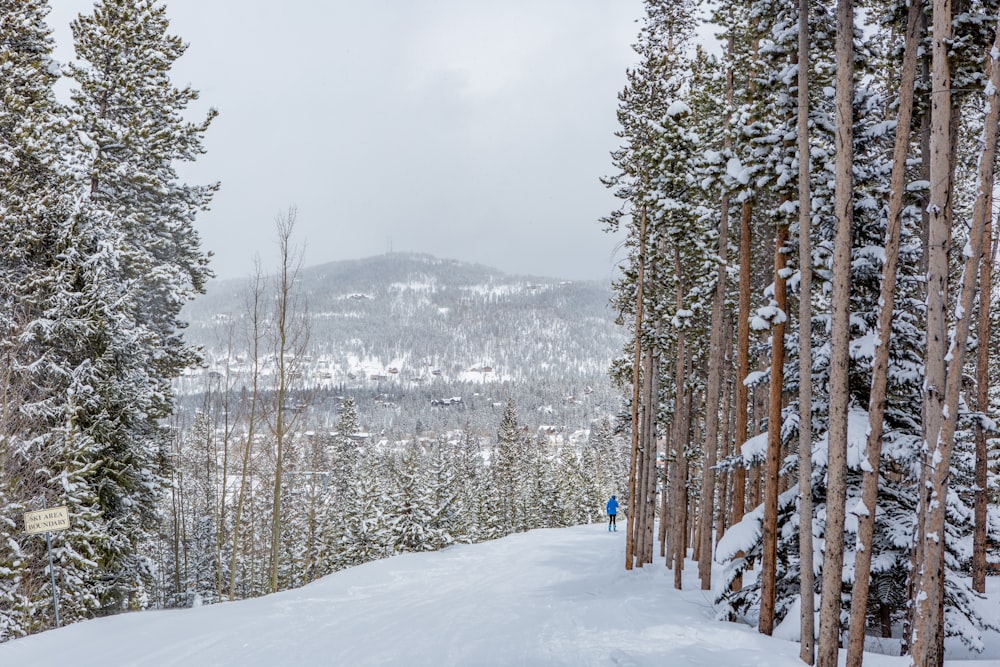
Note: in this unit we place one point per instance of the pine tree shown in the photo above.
(508, 472)
(131, 134)
(32, 178)
(366, 536)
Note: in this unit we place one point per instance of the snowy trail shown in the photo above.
(548, 597)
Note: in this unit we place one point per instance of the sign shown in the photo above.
(47, 520)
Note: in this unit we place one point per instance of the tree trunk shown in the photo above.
(664, 496)
(926, 606)
(807, 576)
(833, 558)
(716, 358)
(880, 372)
(769, 557)
(681, 493)
(631, 524)
(256, 334)
(725, 496)
(982, 405)
(651, 447)
(742, 370)
(289, 345)
(646, 491)
(928, 602)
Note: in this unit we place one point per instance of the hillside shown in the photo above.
(413, 332)
(542, 598)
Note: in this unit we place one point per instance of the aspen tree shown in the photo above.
(255, 336)
(291, 337)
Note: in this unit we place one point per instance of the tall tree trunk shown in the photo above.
(769, 557)
(631, 526)
(807, 577)
(684, 399)
(982, 405)
(725, 495)
(742, 370)
(743, 351)
(925, 589)
(880, 373)
(646, 482)
(255, 322)
(833, 558)
(716, 358)
(664, 496)
(671, 465)
(650, 449)
(288, 346)
(928, 602)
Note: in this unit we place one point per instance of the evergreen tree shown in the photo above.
(508, 473)
(109, 273)
(32, 180)
(366, 536)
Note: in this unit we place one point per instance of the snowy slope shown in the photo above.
(548, 597)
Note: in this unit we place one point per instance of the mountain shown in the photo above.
(413, 332)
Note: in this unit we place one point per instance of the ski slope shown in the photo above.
(548, 597)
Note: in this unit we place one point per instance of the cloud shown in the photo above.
(473, 130)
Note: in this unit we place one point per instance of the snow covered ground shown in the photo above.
(548, 597)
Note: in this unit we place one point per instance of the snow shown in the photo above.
(736, 171)
(547, 597)
(677, 108)
(857, 441)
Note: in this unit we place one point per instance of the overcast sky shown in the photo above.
(469, 129)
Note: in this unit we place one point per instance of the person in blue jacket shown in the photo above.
(612, 512)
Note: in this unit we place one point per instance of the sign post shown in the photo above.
(46, 521)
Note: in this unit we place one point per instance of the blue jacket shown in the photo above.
(612, 506)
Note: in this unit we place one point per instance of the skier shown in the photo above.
(612, 512)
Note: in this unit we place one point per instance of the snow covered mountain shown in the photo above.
(546, 597)
(405, 333)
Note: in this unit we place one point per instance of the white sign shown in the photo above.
(47, 520)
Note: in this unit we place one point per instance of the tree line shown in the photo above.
(347, 498)
(808, 282)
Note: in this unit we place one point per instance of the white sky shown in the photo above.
(470, 129)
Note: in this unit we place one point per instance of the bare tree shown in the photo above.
(255, 322)
(291, 336)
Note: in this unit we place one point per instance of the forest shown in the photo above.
(823, 376)
(221, 463)
(805, 297)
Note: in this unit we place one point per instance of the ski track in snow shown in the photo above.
(548, 597)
